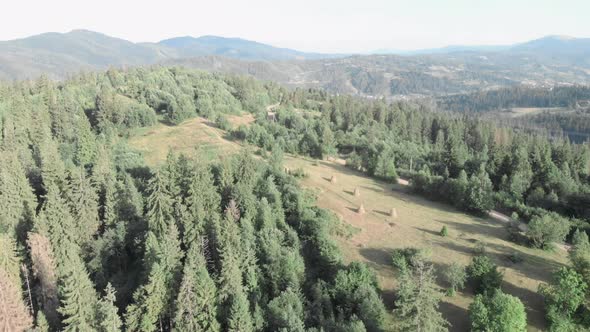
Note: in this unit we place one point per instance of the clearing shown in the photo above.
(155, 142)
(417, 225)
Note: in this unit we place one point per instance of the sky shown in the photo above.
(330, 26)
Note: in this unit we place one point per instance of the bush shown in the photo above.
(484, 274)
(222, 123)
(444, 231)
(497, 312)
(516, 257)
(299, 173)
(455, 275)
(545, 230)
(407, 257)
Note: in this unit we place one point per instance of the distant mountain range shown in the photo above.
(58, 54)
(549, 45)
(548, 61)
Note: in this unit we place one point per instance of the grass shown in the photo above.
(155, 142)
(524, 111)
(418, 225)
(372, 236)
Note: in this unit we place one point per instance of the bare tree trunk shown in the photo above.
(26, 274)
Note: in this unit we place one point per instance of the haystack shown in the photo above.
(361, 209)
(393, 213)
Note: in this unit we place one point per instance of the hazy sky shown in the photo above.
(308, 25)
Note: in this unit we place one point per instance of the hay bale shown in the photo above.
(333, 179)
(393, 213)
(357, 192)
(361, 209)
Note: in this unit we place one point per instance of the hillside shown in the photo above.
(395, 76)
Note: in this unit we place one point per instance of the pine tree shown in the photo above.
(418, 300)
(84, 206)
(52, 167)
(56, 222)
(16, 196)
(159, 203)
(149, 304)
(196, 304)
(107, 312)
(41, 323)
(239, 318)
(78, 298)
(153, 301)
(285, 312)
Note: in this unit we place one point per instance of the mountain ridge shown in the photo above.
(548, 61)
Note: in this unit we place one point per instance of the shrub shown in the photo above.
(455, 275)
(484, 274)
(222, 123)
(299, 173)
(444, 231)
(516, 257)
(547, 229)
(497, 312)
(407, 257)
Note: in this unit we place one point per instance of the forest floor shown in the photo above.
(418, 223)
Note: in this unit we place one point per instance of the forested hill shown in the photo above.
(91, 239)
(517, 97)
(558, 111)
(403, 77)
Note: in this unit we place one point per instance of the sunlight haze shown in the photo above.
(314, 26)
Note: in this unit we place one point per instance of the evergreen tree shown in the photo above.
(159, 204)
(196, 304)
(239, 318)
(418, 300)
(285, 312)
(107, 312)
(84, 206)
(78, 298)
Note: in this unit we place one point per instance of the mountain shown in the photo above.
(58, 54)
(444, 50)
(234, 48)
(561, 48)
(543, 62)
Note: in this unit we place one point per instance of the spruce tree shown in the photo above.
(418, 300)
(107, 312)
(84, 205)
(78, 298)
(196, 304)
(159, 204)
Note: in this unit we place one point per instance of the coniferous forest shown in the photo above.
(94, 239)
